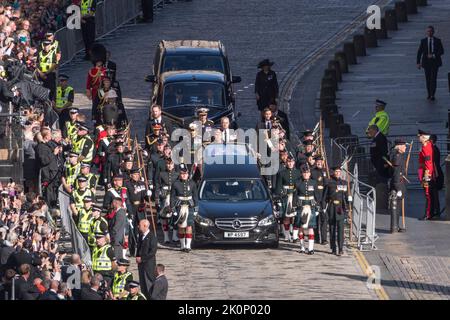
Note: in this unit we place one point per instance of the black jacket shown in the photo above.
(48, 162)
(378, 150)
(25, 290)
(89, 294)
(146, 249)
(49, 295)
(266, 85)
(422, 53)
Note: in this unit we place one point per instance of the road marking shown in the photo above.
(381, 293)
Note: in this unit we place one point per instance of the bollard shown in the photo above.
(411, 6)
(331, 73)
(344, 130)
(325, 102)
(329, 81)
(342, 59)
(400, 10)
(360, 45)
(422, 3)
(382, 33)
(334, 64)
(350, 52)
(327, 92)
(391, 20)
(370, 37)
(447, 187)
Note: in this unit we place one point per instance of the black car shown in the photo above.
(181, 93)
(183, 55)
(235, 205)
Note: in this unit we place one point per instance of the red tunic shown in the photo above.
(94, 79)
(426, 161)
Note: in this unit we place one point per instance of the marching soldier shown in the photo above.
(127, 167)
(71, 171)
(117, 190)
(98, 225)
(122, 278)
(85, 218)
(84, 145)
(92, 179)
(183, 199)
(307, 197)
(398, 188)
(78, 195)
(319, 174)
(135, 293)
(335, 199)
(285, 188)
(163, 190)
(152, 138)
(103, 258)
(155, 156)
(161, 164)
(426, 173)
(70, 129)
(308, 151)
(103, 151)
(113, 163)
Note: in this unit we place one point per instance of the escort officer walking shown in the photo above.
(85, 218)
(64, 99)
(70, 128)
(47, 62)
(71, 171)
(103, 258)
(319, 174)
(397, 185)
(84, 145)
(285, 188)
(381, 118)
(122, 278)
(183, 199)
(78, 195)
(335, 198)
(98, 225)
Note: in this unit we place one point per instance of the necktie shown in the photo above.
(430, 47)
(268, 125)
(225, 134)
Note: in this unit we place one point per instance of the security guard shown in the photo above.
(85, 218)
(134, 293)
(397, 185)
(71, 126)
(381, 118)
(285, 188)
(335, 197)
(122, 278)
(71, 171)
(88, 8)
(307, 196)
(64, 99)
(103, 258)
(47, 62)
(84, 145)
(98, 225)
(183, 199)
(319, 174)
(117, 190)
(78, 195)
(92, 179)
(162, 198)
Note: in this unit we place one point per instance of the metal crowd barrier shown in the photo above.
(11, 146)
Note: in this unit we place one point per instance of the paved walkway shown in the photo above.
(414, 265)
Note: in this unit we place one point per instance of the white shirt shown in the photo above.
(145, 234)
(158, 120)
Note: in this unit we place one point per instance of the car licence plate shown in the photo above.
(236, 235)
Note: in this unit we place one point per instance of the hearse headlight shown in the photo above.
(205, 222)
(267, 221)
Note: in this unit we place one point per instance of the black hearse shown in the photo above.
(235, 205)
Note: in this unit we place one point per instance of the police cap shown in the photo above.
(63, 77)
(81, 179)
(202, 111)
(73, 154)
(74, 110)
(123, 262)
(87, 199)
(97, 208)
(183, 168)
(380, 103)
(99, 234)
(82, 127)
(133, 284)
(85, 165)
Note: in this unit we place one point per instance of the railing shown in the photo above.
(11, 146)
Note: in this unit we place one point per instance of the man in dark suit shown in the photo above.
(378, 151)
(146, 257)
(161, 286)
(157, 117)
(92, 292)
(24, 287)
(117, 226)
(52, 292)
(429, 58)
(24, 256)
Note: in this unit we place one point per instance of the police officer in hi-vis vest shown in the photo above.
(98, 225)
(122, 278)
(47, 64)
(85, 217)
(103, 258)
(64, 99)
(88, 8)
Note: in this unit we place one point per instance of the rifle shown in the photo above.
(141, 161)
(392, 166)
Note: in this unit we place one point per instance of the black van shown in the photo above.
(235, 205)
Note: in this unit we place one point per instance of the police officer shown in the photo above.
(397, 184)
(50, 36)
(307, 197)
(47, 62)
(78, 195)
(117, 190)
(103, 258)
(319, 174)
(285, 188)
(92, 179)
(71, 171)
(162, 198)
(85, 218)
(183, 199)
(134, 292)
(88, 8)
(98, 225)
(70, 129)
(64, 99)
(381, 118)
(122, 278)
(84, 145)
(335, 197)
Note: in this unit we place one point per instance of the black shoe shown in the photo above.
(333, 252)
(310, 252)
(432, 98)
(436, 217)
(429, 98)
(339, 253)
(324, 243)
(187, 250)
(401, 230)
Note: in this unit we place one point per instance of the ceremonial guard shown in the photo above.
(319, 174)
(427, 173)
(335, 202)
(162, 198)
(122, 278)
(85, 218)
(71, 171)
(397, 185)
(307, 197)
(98, 225)
(78, 195)
(183, 199)
(153, 137)
(113, 163)
(285, 188)
(117, 190)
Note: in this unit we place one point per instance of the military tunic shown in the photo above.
(306, 194)
(285, 188)
(181, 193)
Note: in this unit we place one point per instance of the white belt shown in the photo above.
(166, 188)
(306, 198)
(184, 198)
(288, 187)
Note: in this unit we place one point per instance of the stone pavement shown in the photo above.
(251, 30)
(414, 265)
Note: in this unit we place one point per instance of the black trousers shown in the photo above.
(337, 226)
(50, 83)
(323, 226)
(88, 33)
(431, 73)
(146, 278)
(435, 203)
(147, 10)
